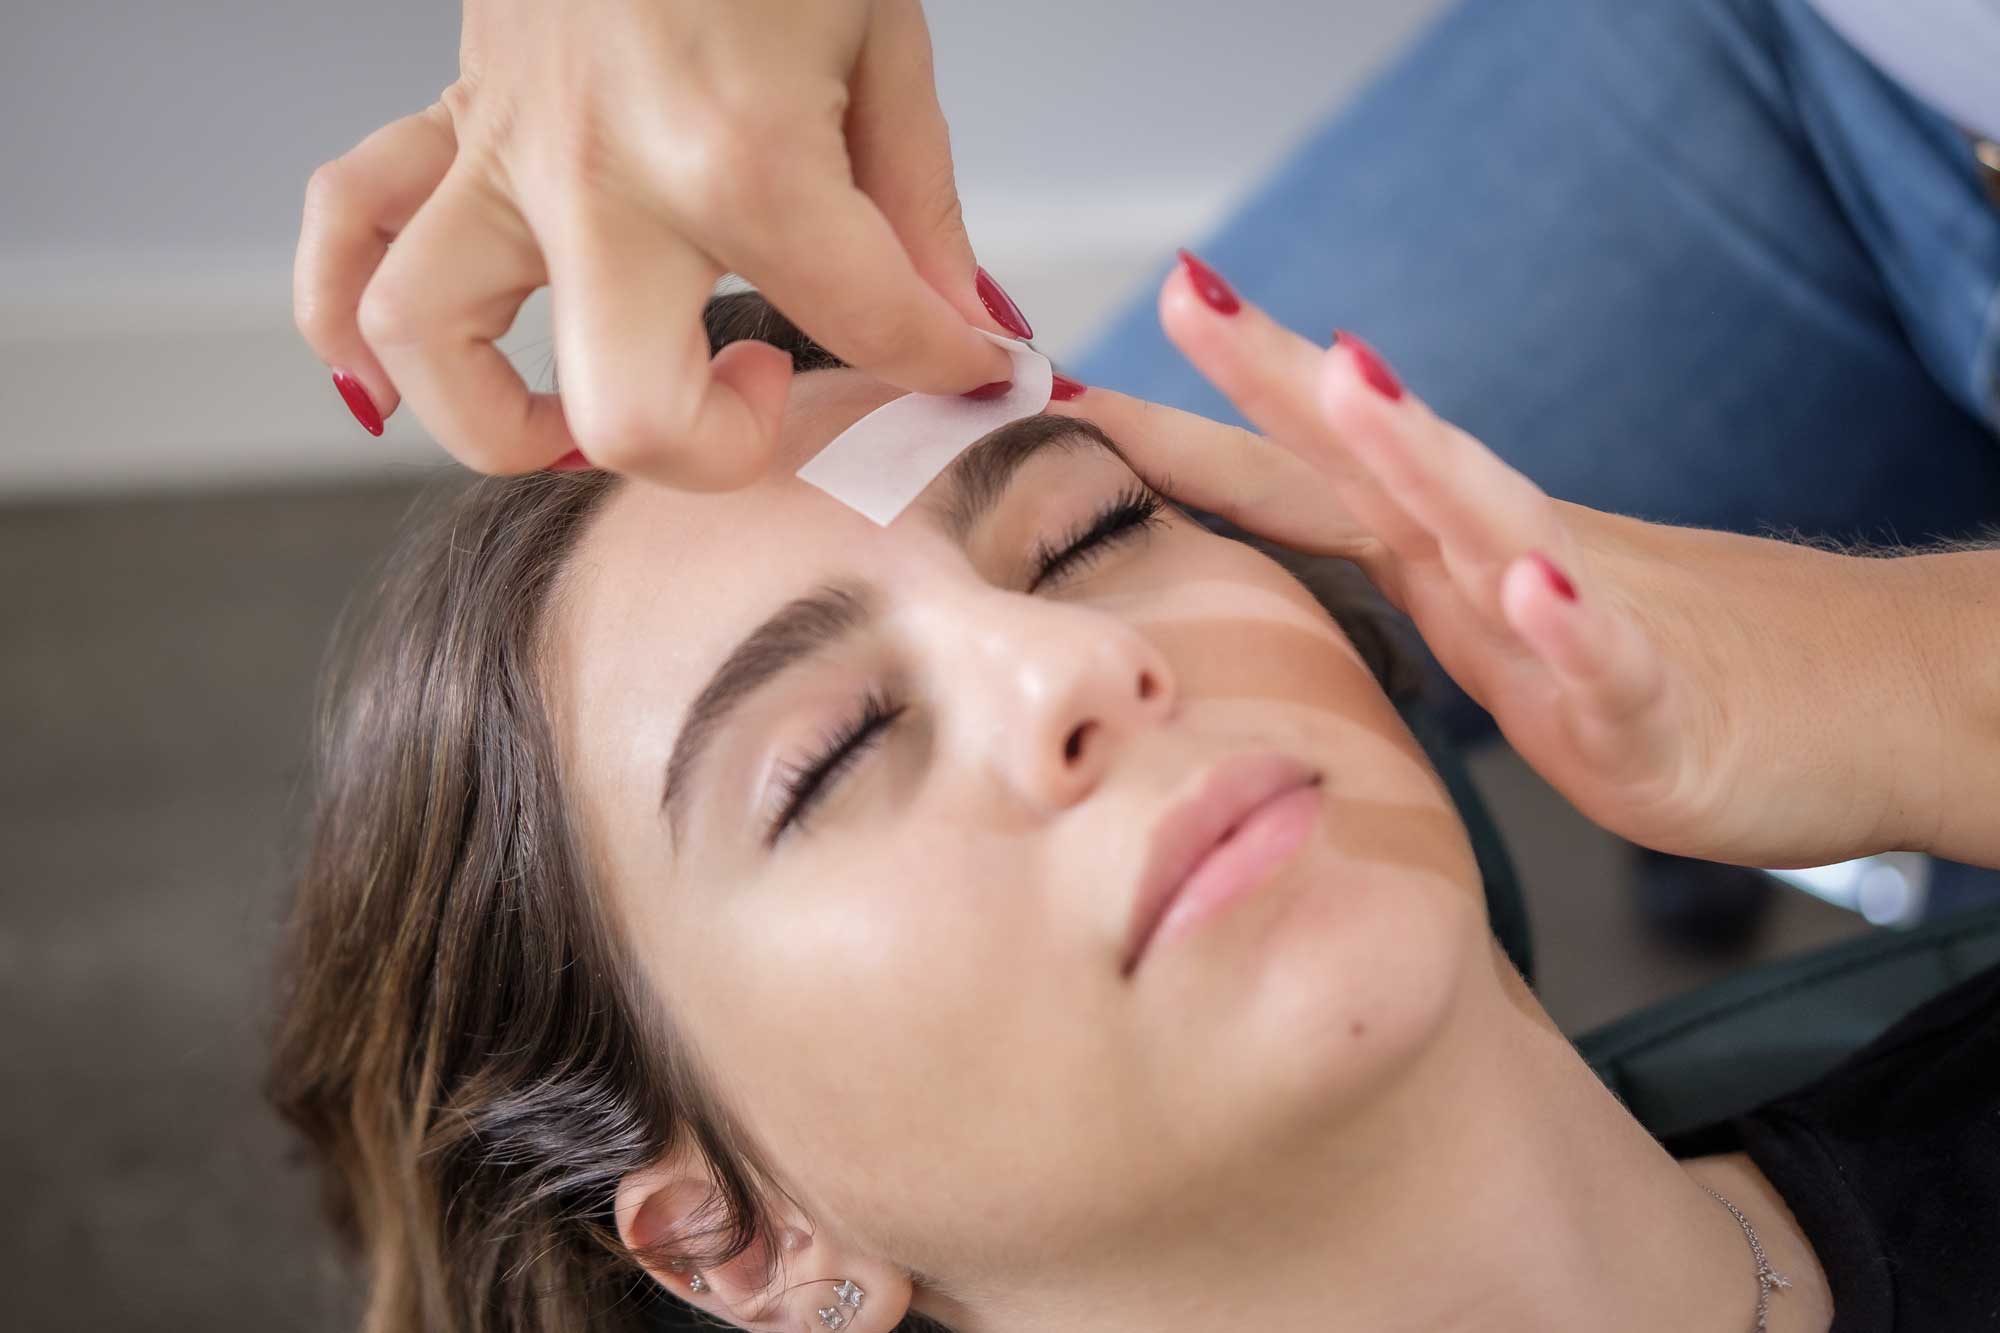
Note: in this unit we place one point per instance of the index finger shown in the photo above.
(445, 294)
(1258, 485)
(824, 255)
(355, 205)
(641, 391)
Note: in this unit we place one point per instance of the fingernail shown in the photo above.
(1558, 582)
(358, 402)
(1371, 365)
(573, 461)
(1062, 388)
(985, 391)
(1001, 306)
(1209, 286)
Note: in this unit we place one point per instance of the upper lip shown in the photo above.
(1223, 797)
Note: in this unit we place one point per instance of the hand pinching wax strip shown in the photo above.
(884, 461)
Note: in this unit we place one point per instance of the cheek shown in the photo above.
(1362, 990)
(845, 991)
(1329, 992)
(1281, 653)
(1360, 965)
(1242, 657)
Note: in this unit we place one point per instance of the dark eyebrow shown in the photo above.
(808, 626)
(980, 475)
(802, 628)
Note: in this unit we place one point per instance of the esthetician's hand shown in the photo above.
(1700, 692)
(627, 153)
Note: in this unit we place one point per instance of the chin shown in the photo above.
(1349, 985)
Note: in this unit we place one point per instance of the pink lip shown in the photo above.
(1197, 831)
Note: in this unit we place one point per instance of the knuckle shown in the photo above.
(388, 318)
(627, 435)
(328, 187)
(455, 102)
(477, 120)
(734, 172)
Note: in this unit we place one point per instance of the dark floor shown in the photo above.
(155, 700)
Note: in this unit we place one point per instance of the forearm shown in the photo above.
(1950, 610)
(1853, 700)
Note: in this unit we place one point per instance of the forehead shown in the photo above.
(664, 581)
(654, 556)
(708, 550)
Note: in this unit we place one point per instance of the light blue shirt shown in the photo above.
(1945, 51)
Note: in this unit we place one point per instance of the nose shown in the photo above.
(1056, 692)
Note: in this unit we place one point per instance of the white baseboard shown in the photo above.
(124, 372)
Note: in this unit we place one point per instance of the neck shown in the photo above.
(1499, 1188)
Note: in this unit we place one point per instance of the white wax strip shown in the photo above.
(884, 461)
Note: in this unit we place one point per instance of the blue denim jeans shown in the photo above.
(1693, 260)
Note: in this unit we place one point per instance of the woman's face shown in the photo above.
(912, 992)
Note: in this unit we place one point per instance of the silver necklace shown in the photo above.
(1768, 1278)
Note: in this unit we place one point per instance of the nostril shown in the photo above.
(1148, 687)
(1073, 747)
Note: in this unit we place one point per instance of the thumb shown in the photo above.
(899, 150)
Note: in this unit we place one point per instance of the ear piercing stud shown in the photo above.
(846, 1294)
(833, 1316)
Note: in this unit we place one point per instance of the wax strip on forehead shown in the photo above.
(884, 461)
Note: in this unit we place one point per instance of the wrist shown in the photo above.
(1947, 609)
(1847, 709)
(1815, 674)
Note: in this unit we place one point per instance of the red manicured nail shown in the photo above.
(1558, 582)
(1001, 306)
(1209, 286)
(573, 461)
(1062, 388)
(1372, 367)
(358, 402)
(985, 391)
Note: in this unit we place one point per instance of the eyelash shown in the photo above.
(1129, 513)
(1125, 516)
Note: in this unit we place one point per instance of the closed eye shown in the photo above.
(804, 786)
(1124, 517)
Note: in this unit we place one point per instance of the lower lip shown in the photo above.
(1246, 861)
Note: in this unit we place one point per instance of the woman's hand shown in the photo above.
(1699, 692)
(628, 153)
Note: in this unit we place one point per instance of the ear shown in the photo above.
(660, 1201)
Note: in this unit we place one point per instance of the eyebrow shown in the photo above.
(810, 626)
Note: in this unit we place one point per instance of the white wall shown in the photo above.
(155, 156)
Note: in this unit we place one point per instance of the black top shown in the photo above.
(1891, 1163)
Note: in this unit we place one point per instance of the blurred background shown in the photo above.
(185, 506)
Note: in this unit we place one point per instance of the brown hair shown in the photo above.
(463, 1040)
